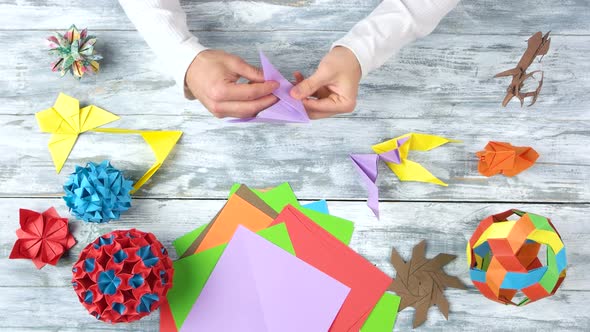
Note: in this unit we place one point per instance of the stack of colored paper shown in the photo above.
(267, 263)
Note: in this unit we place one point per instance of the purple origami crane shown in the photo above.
(366, 166)
(287, 109)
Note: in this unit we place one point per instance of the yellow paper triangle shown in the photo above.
(96, 117)
(161, 143)
(412, 171)
(60, 147)
(425, 142)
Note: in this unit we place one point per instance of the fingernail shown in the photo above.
(295, 92)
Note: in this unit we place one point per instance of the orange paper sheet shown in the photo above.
(243, 208)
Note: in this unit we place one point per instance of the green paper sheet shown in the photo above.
(191, 273)
(382, 318)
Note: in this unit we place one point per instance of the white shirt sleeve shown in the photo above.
(162, 23)
(391, 26)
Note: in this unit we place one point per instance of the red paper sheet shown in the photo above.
(166, 320)
(319, 248)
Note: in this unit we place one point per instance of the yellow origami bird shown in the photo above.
(66, 120)
(395, 152)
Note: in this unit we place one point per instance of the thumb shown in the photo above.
(308, 86)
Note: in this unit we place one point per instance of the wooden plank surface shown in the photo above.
(446, 228)
(212, 154)
(440, 77)
(441, 85)
(470, 17)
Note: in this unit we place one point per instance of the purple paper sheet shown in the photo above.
(287, 109)
(257, 286)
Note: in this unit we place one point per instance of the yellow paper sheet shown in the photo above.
(65, 121)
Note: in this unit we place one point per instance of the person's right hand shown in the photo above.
(212, 78)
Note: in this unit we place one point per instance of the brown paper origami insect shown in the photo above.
(538, 45)
(421, 282)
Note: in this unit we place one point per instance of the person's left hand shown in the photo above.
(334, 85)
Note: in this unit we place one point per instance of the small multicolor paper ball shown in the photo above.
(503, 257)
(123, 276)
(75, 52)
(98, 192)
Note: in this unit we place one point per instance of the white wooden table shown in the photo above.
(440, 85)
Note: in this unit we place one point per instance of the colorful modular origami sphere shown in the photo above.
(503, 257)
(123, 276)
(75, 52)
(98, 192)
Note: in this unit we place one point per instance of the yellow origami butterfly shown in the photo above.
(407, 170)
(66, 120)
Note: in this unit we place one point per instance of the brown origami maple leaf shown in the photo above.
(421, 282)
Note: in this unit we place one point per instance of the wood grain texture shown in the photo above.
(441, 84)
(470, 17)
(440, 77)
(314, 158)
(446, 228)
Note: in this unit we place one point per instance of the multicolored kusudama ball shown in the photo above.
(98, 192)
(75, 52)
(123, 276)
(503, 257)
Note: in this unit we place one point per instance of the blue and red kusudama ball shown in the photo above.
(123, 276)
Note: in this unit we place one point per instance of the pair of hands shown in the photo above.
(212, 78)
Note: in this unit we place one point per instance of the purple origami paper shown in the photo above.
(287, 109)
(258, 287)
(366, 166)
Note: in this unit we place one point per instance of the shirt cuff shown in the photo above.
(180, 59)
(361, 52)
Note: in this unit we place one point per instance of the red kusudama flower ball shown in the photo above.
(123, 276)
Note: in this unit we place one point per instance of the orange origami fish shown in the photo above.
(504, 158)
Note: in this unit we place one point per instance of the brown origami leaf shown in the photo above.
(504, 158)
(538, 45)
(421, 282)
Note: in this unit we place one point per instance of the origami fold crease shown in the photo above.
(420, 282)
(394, 153)
(42, 237)
(504, 158)
(66, 120)
(287, 109)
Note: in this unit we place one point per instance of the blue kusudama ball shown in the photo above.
(98, 192)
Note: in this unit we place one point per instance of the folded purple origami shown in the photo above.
(287, 109)
(366, 166)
